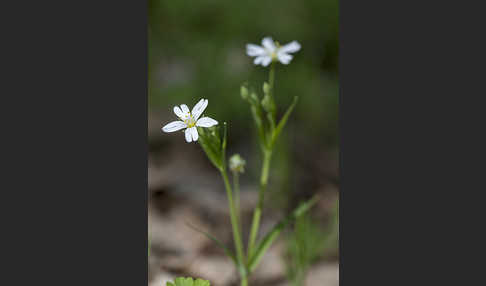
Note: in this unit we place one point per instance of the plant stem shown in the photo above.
(234, 222)
(236, 188)
(244, 281)
(267, 155)
(271, 82)
(271, 78)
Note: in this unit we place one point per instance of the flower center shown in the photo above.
(274, 53)
(189, 121)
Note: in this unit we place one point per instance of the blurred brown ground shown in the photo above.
(185, 188)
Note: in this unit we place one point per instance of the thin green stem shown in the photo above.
(271, 83)
(244, 281)
(261, 195)
(234, 221)
(271, 78)
(236, 188)
(267, 156)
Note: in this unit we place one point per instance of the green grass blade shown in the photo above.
(267, 241)
(219, 243)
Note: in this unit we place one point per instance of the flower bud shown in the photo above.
(268, 103)
(244, 92)
(254, 98)
(237, 164)
(266, 88)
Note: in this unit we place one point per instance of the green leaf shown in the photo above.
(219, 243)
(181, 281)
(209, 141)
(188, 281)
(201, 282)
(267, 241)
(283, 121)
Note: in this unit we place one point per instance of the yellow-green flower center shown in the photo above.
(274, 53)
(189, 121)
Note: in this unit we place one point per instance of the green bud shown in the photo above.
(268, 104)
(237, 164)
(266, 88)
(254, 97)
(244, 92)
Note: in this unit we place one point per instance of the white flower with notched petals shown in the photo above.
(190, 119)
(272, 51)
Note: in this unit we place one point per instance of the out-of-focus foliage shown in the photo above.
(309, 242)
(197, 50)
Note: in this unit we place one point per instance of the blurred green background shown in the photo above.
(196, 49)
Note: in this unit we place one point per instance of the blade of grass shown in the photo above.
(219, 243)
(267, 241)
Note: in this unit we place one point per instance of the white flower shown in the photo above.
(271, 51)
(190, 120)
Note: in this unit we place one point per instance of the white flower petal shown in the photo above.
(284, 58)
(178, 112)
(263, 60)
(291, 47)
(258, 60)
(269, 44)
(206, 122)
(188, 135)
(199, 108)
(174, 126)
(254, 50)
(194, 133)
(266, 61)
(185, 109)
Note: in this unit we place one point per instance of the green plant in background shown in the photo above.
(213, 141)
(308, 242)
(188, 281)
(304, 246)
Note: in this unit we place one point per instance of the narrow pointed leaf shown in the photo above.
(219, 243)
(267, 241)
(283, 121)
